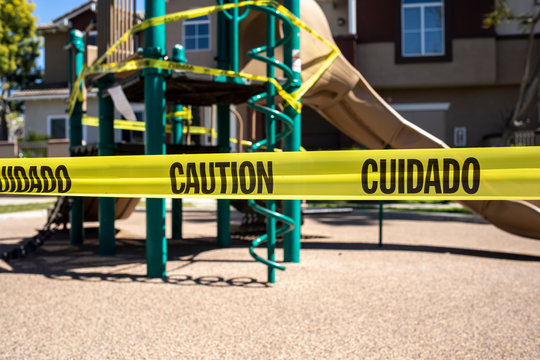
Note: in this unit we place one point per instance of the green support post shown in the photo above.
(223, 134)
(291, 240)
(107, 245)
(381, 210)
(178, 55)
(223, 205)
(75, 47)
(154, 99)
(233, 39)
(271, 142)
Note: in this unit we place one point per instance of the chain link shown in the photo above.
(57, 216)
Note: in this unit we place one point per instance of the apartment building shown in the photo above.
(429, 59)
(435, 64)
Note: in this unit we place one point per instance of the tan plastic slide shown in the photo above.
(344, 98)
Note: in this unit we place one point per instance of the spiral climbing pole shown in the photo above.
(272, 115)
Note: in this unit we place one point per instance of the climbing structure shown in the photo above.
(159, 82)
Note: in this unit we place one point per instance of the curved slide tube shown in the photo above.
(345, 99)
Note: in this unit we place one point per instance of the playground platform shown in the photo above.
(439, 288)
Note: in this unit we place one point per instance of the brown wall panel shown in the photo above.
(347, 45)
(379, 20)
(376, 20)
(466, 18)
(81, 21)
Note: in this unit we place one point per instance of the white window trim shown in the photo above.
(198, 22)
(422, 7)
(421, 106)
(138, 107)
(65, 117)
(352, 16)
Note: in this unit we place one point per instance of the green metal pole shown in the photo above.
(223, 134)
(76, 47)
(107, 245)
(223, 205)
(233, 38)
(380, 222)
(178, 55)
(271, 142)
(291, 240)
(154, 99)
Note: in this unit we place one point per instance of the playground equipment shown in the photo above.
(344, 98)
(160, 86)
(340, 94)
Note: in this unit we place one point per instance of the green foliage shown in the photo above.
(24, 207)
(502, 12)
(19, 50)
(19, 46)
(35, 136)
(34, 145)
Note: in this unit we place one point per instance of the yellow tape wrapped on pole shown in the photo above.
(141, 126)
(429, 174)
(291, 99)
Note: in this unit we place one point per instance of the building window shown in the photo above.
(197, 33)
(92, 38)
(57, 126)
(422, 28)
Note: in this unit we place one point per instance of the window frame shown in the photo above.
(49, 127)
(93, 33)
(446, 56)
(188, 22)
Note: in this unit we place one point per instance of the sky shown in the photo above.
(47, 10)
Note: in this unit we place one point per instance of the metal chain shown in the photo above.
(58, 215)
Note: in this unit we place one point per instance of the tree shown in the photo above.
(19, 50)
(530, 81)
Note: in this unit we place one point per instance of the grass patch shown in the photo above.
(371, 205)
(453, 210)
(4, 209)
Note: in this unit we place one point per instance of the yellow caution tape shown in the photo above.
(291, 99)
(141, 126)
(428, 174)
(168, 65)
(184, 114)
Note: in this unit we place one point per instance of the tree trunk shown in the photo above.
(3, 121)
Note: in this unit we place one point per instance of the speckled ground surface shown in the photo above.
(437, 289)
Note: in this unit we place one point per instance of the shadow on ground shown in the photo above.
(418, 248)
(59, 260)
(371, 217)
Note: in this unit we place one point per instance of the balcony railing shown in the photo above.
(115, 17)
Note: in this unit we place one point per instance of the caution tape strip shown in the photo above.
(429, 174)
(184, 114)
(141, 126)
(290, 98)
